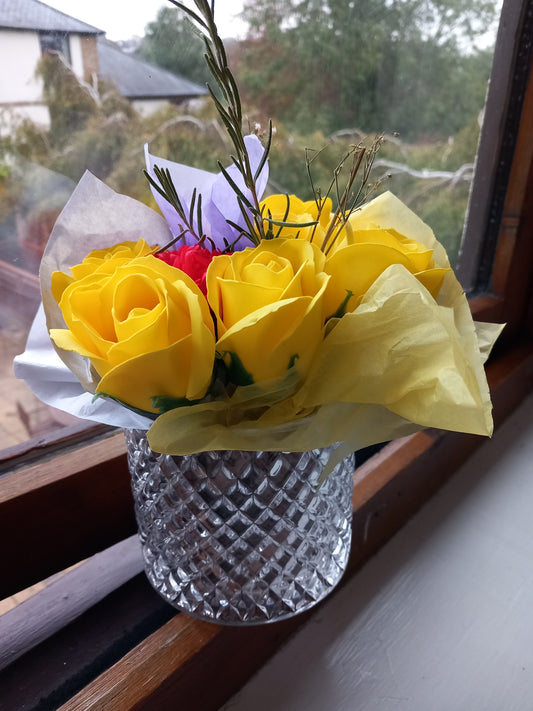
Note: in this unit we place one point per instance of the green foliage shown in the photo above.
(112, 148)
(171, 42)
(10, 189)
(70, 104)
(112, 102)
(98, 148)
(445, 212)
(31, 142)
(408, 66)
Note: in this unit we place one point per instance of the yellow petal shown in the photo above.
(355, 268)
(87, 312)
(137, 302)
(276, 336)
(432, 279)
(182, 370)
(60, 281)
(64, 340)
(268, 270)
(299, 212)
(239, 298)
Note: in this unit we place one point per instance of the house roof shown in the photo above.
(35, 15)
(137, 79)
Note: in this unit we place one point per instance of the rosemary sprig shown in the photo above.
(230, 111)
(166, 188)
(257, 226)
(355, 192)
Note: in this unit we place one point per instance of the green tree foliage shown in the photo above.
(69, 103)
(171, 42)
(382, 65)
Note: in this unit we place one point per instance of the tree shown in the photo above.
(70, 104)
(392, 65)
(172, 42)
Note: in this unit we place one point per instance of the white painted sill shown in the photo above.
(441, 619)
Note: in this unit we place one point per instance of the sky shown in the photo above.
(121, 19)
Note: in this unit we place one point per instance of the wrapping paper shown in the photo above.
(219, 201)
(400, 362)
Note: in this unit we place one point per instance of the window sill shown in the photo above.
(156, 655)
(440, 618)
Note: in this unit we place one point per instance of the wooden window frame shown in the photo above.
(125, 648)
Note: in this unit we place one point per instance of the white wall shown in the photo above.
(147, 107)
(20, 89)
(11, 117)
(19, 54)
(76, 55)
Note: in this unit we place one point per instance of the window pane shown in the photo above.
(55, 42)
(328, 73)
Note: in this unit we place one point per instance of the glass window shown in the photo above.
(329, 74)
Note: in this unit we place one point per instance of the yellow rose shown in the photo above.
(363, 254)
(268, 301)
(289, 208)
(96, 259)
(144, 325)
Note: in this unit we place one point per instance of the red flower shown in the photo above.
(193, 260)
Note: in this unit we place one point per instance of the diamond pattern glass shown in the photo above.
(241, 537)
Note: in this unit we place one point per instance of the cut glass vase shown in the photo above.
(239, 537)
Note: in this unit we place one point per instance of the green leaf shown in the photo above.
(237, 373)
(281, 223)
(164, 403)
(339, 313)
(144, 413)
(292, 361)
(235, 187)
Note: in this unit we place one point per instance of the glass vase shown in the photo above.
(241, 537)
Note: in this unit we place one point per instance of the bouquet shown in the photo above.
(236, 322)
